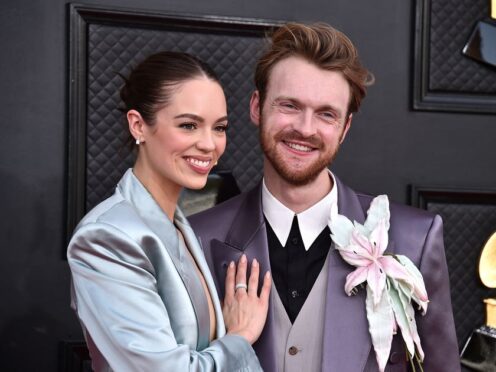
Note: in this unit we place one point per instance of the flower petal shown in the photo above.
(413, 329)
(394, 269)
(354, 279)
(380, 317)
(361, 229)
(379, 238)
(351, 256)
(419, 294)
(362, 241)
(378, 210)
(376, 280)
(400, 314)
(341, 228)
(359, 250)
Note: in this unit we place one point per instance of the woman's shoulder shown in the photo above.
(115, 212)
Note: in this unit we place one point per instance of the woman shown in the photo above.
(141, 286)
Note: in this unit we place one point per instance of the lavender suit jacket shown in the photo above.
(237, 226)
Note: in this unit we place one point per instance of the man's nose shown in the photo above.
(306, 125)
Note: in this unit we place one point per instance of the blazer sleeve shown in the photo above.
(116, 299)
(437, 327)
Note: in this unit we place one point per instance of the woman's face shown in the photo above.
(188, 137)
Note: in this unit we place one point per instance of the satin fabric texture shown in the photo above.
(136, 292)
(346, 343)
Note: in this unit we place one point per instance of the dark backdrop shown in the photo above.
(389, 147)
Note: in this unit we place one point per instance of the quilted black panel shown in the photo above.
(113, 49)
(466, 228)
(449, 70)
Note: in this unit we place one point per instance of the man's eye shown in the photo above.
(288, 105)
(328, 115)
(187, 126)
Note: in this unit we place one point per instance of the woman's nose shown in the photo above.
(206, 142)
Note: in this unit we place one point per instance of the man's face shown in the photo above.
(303, 119)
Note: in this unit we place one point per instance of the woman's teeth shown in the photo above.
(198, 163)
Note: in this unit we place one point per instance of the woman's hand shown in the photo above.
(244, 311)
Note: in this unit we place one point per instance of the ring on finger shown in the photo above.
(240, 285)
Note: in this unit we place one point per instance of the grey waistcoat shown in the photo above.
(300, 346)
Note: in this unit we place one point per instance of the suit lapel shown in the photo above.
(346, 340)
(197, 253)
(248, 235)
(155, 218)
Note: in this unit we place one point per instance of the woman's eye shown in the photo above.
(187, 126)
(221, 128)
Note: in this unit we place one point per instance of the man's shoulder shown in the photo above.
(217, 216)
(397, 210)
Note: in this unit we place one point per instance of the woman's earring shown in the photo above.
(137, 141)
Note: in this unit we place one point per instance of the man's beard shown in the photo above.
(301, 176)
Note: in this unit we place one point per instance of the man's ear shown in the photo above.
(135, 122)
(255, 108)
(346, 128)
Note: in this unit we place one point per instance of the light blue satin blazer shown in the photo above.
(138, 297)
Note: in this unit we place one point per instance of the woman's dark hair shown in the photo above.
(151, 83)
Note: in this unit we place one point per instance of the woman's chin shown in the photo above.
(197, 184)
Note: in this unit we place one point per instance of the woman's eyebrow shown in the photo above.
(189, 116)
(197, 117)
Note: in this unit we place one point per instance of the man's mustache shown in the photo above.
(312, 141)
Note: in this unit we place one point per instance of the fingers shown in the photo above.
(231, 269)
(253, 283)
(241, 272)
(267, 284)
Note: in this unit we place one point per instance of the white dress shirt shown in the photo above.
(311, 221)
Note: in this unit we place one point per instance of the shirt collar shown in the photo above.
(311, 221)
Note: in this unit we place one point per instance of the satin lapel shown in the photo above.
(248, 235)
(197, 253)
(133, 191)
(155, 218)
(346, 340)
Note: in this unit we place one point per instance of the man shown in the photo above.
(309, 83)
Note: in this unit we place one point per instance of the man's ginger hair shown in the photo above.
(322, 45)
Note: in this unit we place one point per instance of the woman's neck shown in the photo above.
(164, 192)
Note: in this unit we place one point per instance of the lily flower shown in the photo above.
(393, 281)
(372, 266)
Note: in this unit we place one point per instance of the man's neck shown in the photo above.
(297, 198)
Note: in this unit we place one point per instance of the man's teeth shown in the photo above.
(299, 147)
(198, 163)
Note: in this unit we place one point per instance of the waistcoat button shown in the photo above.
(293, 350)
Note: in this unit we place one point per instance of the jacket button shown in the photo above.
(293, 350)
(396, 357)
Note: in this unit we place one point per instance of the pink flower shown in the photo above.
(373, 266)
(393, 281)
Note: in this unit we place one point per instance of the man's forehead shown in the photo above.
(300, 79)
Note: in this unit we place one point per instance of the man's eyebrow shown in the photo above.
(197, 117)
(319, 108)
